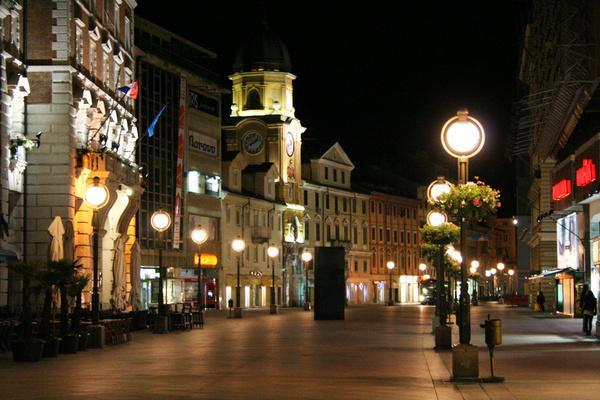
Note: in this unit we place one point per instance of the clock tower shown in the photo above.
(262, 124)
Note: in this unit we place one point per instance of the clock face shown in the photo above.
(253, 142)
(289, 144)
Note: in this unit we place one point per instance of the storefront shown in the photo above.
(409, 289)
(561, 289)
(357, 292)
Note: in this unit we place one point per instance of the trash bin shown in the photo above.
(493, 332)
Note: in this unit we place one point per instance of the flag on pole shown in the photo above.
(130, 90)
(150, 131)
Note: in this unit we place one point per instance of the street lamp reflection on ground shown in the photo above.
(238, 245)
(463, 137)
(273, 252)
(199, 236)
(161, 221)
(390, 266)
(96, 196)
(306, 257)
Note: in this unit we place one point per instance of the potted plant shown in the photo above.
(26, 347)
(65, 271)
(78, 284)
(47, 279)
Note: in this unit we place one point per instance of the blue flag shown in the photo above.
(150, 131)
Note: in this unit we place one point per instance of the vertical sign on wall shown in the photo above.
(179, 178)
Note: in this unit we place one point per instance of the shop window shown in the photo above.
(204, 184)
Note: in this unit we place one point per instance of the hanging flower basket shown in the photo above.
(473, 200)
(440, 235)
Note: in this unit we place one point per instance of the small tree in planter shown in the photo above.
(48, 279)
(65, 272)
(78, 284)
(26, 347)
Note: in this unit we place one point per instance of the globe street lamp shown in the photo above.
(511, 272)
(273, 252)
(390, 266)
(436, 218)
(306, 257)
(96, 197)
(422, 267)
(161, 221)
(463, 137)
(238, 245)
(437, 188)
(199, 236)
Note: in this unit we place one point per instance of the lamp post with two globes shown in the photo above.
(161, 221)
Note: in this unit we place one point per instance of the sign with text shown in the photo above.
(203, 103)
(561, 189)
(203, 143)
(586, 174)
(206, 260)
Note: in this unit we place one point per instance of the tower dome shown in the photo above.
(263, 50)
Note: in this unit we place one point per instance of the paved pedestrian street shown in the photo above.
(378, 352)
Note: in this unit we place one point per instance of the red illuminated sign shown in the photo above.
(586, 174)
(561, 190)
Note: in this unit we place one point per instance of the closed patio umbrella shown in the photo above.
(56, 230)
(118, 289)
(136, 262)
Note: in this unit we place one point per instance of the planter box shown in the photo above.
(51, 347)
(27, 350)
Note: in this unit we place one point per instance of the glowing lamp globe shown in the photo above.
(488, 274)
(390, 265)
(463, 136)
(436, 218)
(511, 272)
(493, 271)
(437, 188)
(473, 269)
(475, 264)
(160, 220)
(426, 277)
(272, 251)
(238, 245)
(306, 256)
(500, 266)
(422, 267)
(199, 235)
(96, 195)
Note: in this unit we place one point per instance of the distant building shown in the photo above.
(337, 216)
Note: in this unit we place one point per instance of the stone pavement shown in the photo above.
(376, 353)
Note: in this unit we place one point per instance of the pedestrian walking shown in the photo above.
(541, 300)
(589, 306)
(230, 306)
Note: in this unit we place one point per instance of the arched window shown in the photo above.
(253, 100)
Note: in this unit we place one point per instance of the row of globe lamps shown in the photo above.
(97, 196)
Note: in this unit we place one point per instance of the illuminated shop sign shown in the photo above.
(206, 260)
(561, 190)
(202, 143)
(586, 174)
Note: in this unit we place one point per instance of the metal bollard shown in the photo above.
(493, 338)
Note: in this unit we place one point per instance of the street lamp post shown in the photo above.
(500, 267)
(199, 236)
(390, 266)
(463, 137)
(161, 221)
(306, 257)
(273, 252)
(511, 272)
(96, 196)
(493, 273)
(238, 245)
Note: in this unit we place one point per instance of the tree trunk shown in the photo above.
(44, 330)
(64, 311)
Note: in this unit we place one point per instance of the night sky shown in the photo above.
(381, 80)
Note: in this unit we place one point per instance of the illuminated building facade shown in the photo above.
(263, 130)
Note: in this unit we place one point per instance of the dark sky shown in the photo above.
(380, 79)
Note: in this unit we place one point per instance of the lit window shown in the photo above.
(194, 182)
